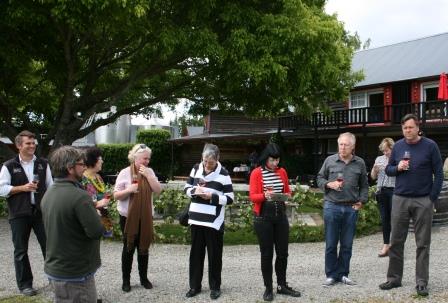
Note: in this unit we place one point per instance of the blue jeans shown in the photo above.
(340, 226)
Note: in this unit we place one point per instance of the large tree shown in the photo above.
(62, 61)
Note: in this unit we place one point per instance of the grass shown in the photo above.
(24, 299)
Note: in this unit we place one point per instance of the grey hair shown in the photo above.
(386, 142)
(63, 158)
(138, 149)
(210, 151)
(348, 135)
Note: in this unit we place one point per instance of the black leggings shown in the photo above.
(384, 199)
(273, 232)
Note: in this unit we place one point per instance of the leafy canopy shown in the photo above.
(64, 61)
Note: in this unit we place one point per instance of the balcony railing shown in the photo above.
(428, 112)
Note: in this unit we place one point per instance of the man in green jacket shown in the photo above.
(73, 230)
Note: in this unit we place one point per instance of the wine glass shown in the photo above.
(135, 180)
(35, 180)
(202, 182)
(407, 157)
(340, 179)
(107, 196)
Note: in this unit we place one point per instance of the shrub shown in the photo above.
(157, 140)
(3, 207)
(170, 202)
(115, 157)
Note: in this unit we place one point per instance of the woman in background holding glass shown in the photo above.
(133, 190)
(384, 191)
(95, 186)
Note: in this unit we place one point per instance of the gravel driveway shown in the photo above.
(241, 277)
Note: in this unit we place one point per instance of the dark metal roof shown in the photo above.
(421, 58)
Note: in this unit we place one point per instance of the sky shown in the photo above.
(387, 22)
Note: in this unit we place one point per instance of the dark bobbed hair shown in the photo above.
(92, 155)
(271, 150)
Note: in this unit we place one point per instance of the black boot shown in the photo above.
(126, 267)
(286, 290)
(268, 294)
(143, 271)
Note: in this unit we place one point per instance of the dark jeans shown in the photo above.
(340, 227)
(21, 231)
(420, 210)
(384, 199)
(128, 256)
(203, 237)
(273, 232)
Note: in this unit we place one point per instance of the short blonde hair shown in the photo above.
(386, 142)
(138, 149)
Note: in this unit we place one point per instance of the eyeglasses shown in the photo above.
(81, 164)
(141, 147)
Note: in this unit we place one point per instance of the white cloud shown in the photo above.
(387, 22)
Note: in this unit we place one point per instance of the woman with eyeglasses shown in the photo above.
(268, 190)
(96, 188)
(133, 190)
(210, 189)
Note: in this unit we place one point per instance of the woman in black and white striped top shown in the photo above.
(210, 189)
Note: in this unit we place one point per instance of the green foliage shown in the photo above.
(157, 140)
(307, 199)
(305, 233)
(24, 299)
(172, 234)
(170, 202)
(3, 207)
(63, 62)
(115, 157)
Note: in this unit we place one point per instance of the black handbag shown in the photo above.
(183, 216)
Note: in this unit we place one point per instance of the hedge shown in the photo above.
(116, 155)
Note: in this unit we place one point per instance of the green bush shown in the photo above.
(3, 207)
(170, 202)
(157, 140)
(115, 157)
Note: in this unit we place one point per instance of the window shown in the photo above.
(358, 100)
(365, 99)
(429, 91)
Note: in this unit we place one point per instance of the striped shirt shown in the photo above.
(383, 179)
(209, 213)
(271, 181)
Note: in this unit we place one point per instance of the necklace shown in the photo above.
(98, 184)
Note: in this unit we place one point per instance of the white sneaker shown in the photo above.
(329, 282)
(347, 281)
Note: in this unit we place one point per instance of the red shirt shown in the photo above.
(256, 193)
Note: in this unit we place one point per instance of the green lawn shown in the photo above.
(24, 299)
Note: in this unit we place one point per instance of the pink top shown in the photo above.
(124, 179)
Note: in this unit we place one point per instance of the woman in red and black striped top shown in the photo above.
(270, 222)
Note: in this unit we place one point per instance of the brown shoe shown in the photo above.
(383, 254)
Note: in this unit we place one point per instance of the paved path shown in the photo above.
(241, 276)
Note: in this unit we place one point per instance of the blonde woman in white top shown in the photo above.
(385, 189)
